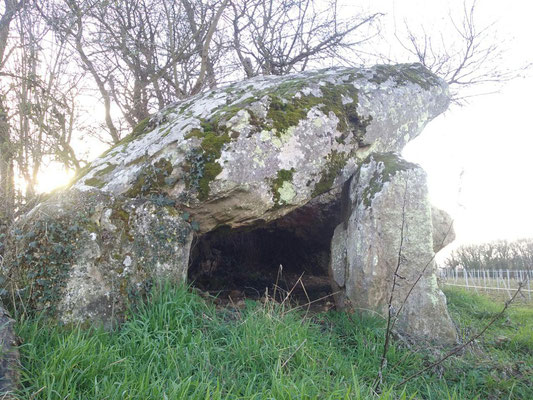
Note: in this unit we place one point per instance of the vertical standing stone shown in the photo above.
(389, 224)
(9, 355)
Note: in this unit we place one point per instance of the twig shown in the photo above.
(292, 355)
(292, 289)
(280, 271)
(390, 323)
(116, 362)
(314, 301)
(307, 297)
(37, 392)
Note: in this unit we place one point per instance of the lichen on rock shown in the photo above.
(238, 138)
(386, 237)
(87, 255)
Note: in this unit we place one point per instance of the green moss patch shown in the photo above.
(95, 182)
(392, 164)
(106, 170)
(334, 164)
(121, 218)
(286, 114)
(284, 175)
(405, 73)
(142, 128)
(43, 261)
(202, 165)
(288, 110)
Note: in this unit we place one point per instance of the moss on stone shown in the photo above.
(257, 122)
(139, 130)
(121, 219)
(95, 182)
(341, 100)
(388, 165)
(105, 170)
(46, 249)
(285, 114)
(203, 167)
(137, 161)
(152, 179)
(405, 73)
(334, 164)
(283, 175)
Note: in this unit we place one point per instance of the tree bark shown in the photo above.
(7, 182)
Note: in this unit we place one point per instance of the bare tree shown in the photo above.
(8, 11)
(495, 255)
(142, 54)
(468, 56)
(43, 89)
(39, 88)
(275, 37)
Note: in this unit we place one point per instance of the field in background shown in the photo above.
(498, 284)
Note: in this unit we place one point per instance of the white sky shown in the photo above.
(479, 157)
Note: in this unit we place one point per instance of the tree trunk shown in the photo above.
(7, 183)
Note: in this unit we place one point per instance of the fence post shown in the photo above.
(509, 284)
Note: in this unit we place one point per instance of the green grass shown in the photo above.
(177, 346)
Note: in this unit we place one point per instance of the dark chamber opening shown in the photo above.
(245, 262)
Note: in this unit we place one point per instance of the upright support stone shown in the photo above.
(443, 231)
(9, 355)
(85, 255)
(386, 242)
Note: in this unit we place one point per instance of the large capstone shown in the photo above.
(382, 253)
(267, 156)
(260, 148)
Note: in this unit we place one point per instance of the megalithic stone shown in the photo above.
(385, 244)
(238, 156)
(9, 355)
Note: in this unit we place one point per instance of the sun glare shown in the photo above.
(52, 178)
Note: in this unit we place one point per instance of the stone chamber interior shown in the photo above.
(233, 264)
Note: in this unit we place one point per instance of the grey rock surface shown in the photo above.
(257, 149)
(386, 241)
(9, 355)
(443, 231)
(85, 255)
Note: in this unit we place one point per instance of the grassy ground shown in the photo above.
(179, 347)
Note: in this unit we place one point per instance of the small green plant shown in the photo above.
(43, 262)
(152, 179)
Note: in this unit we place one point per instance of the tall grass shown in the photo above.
(177, 346)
